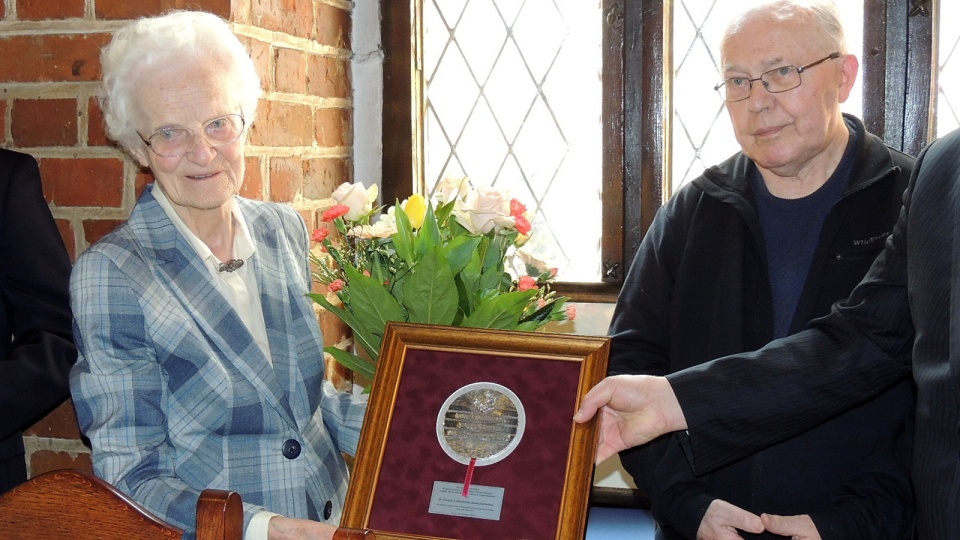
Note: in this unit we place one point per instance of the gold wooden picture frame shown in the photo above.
(544, 484)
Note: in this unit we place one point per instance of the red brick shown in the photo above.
(84, 181)
(44, 122)
(290, 71)
(333, 127)
(260, 53)
(48, 460)
(333, 26)
(38, 10)
(293, 17)
(95, 229)
(283, 124)
(240, 13)
(69, 239)
(322, 175)
(96, 129)
(61, 423)
(3, 9)
(125, 9)
(332, 328)
(286, 179)
(328, 76)
(252, 187)
(46, 58)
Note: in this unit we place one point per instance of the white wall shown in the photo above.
(367, 76)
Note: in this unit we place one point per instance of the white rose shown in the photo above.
(359, 199)
(483, 210)
(450, 189)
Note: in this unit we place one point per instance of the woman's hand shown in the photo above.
(284, 528)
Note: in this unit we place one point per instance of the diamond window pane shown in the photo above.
(513, 99)
(482, 40)
(948, 78)
(510, 91)
(702, 133)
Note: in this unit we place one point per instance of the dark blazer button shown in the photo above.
(291, 449)
(327, 510)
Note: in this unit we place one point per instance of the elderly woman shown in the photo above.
(200, 359)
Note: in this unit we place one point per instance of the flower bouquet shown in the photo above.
(453, 261)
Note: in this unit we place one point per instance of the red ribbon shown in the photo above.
(469, 478)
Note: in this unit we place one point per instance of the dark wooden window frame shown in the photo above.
(896, 65)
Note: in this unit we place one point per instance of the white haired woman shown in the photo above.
(201, 361)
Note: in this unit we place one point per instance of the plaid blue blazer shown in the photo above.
(174, 393)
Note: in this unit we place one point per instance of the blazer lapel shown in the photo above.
(275, 299)
(293, 333)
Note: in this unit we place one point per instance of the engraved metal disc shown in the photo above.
(482, 421)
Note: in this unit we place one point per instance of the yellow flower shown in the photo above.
(416, 208)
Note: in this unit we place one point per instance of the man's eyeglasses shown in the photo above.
(175, 141)
(774, 81)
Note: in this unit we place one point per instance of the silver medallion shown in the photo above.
(482, 421)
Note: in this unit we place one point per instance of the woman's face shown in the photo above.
(188, 96)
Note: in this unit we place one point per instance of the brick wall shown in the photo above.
(298, 151)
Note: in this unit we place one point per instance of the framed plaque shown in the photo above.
(469, 435)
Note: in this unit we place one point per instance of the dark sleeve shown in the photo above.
(739, 404)
(879, 502)
(640, 345)
(35, 325)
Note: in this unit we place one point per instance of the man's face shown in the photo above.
(786, 132)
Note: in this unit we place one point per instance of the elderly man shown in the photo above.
(751, 251)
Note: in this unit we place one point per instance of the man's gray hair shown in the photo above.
(824, 11)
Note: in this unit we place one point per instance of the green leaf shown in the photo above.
(443, 212)
(403, 239)
(500, 312)
(430, 293)
(371, 307)
(362, 335)
(429, 236)
(491, 274)
(468, 282)
(352, 362)
(371, 301)
(459, 251)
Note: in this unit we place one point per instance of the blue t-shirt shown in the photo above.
(791, 232)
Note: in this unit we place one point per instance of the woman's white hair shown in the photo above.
(177, 37)
(825, 12)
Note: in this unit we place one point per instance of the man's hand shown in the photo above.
(635, 409)
(796, 527)
(723, 519)
(284, 528)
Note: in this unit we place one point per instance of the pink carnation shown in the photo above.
(334, 212)
(523, 226)
(335, 285)
(526, 283)
(571, 312)
(319, 235)
(517, 208)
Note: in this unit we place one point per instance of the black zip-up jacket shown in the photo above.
(698, 289)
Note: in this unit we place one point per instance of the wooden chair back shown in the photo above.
(73, 505)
